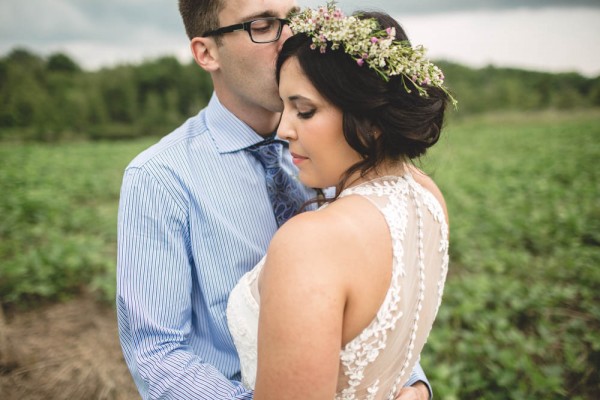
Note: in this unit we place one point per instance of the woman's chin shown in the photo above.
(313, 183)
(308, 181)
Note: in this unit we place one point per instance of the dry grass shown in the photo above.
(63, 351)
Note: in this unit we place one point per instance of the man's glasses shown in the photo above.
(262, 30)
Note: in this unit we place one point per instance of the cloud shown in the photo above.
(95, 33)
(404, 7)
(520, 33)
(132, 13)
(550, 39)
(58, 19)
(49, 21)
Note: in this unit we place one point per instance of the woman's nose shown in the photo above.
(284, 130)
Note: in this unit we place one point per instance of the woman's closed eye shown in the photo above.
(306, 114)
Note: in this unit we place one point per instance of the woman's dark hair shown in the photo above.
(407, 123)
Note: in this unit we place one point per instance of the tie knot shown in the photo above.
(268, 153)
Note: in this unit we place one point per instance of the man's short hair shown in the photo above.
(200, 16)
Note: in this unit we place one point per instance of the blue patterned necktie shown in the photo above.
(285, 192)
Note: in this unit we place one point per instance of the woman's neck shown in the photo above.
(397, 168)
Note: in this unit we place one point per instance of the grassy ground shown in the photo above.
(521, 312)
(58, 226)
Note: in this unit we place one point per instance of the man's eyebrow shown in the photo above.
(293, 10)
(262, 14)
(270, 14)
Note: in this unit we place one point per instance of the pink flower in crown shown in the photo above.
(394, 58)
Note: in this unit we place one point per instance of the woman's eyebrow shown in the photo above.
(297, 97)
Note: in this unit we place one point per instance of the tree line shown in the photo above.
(52, 98)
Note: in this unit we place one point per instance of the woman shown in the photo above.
(348, 293)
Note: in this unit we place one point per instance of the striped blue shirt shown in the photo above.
(194, 216)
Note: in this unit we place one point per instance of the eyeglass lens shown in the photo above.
(265, 30)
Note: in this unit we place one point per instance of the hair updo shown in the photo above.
(407, 123)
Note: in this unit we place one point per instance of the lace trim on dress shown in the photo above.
(365, 348)
(435, 208)
(421, 297)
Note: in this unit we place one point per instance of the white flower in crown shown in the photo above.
(367, 43)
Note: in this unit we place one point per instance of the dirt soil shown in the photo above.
(63, 351)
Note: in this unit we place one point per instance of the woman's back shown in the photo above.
(395, 259)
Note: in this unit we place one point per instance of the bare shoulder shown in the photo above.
(339, 221)
(424, 180)
(328, 239)
(303, 296)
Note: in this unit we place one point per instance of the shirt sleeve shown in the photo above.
(154, 285)
(419, 375)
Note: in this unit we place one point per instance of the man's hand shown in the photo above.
(418, 391)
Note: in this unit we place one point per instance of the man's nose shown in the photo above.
(286, 33)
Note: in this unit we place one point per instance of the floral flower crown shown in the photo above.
(365, 41)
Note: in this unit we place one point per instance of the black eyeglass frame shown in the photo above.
(245, 26)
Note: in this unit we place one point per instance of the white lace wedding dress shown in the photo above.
(379, 361)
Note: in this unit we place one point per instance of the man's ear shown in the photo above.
(205, 53)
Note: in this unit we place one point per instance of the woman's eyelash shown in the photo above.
(306, 115)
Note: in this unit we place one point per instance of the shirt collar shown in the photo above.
(228, 132)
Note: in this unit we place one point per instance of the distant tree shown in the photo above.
(60, 62)
(25, 58)
(594, 96)
(55, 99)
(119, 94)
(23, 91)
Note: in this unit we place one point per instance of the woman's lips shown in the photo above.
(297, 159)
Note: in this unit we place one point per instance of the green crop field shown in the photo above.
(521, 312)
(58, 225)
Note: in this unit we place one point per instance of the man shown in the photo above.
(195, 213)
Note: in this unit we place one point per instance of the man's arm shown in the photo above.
(154, 287)
(417, 387)
(418, 391)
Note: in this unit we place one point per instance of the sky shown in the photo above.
(543, 35)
